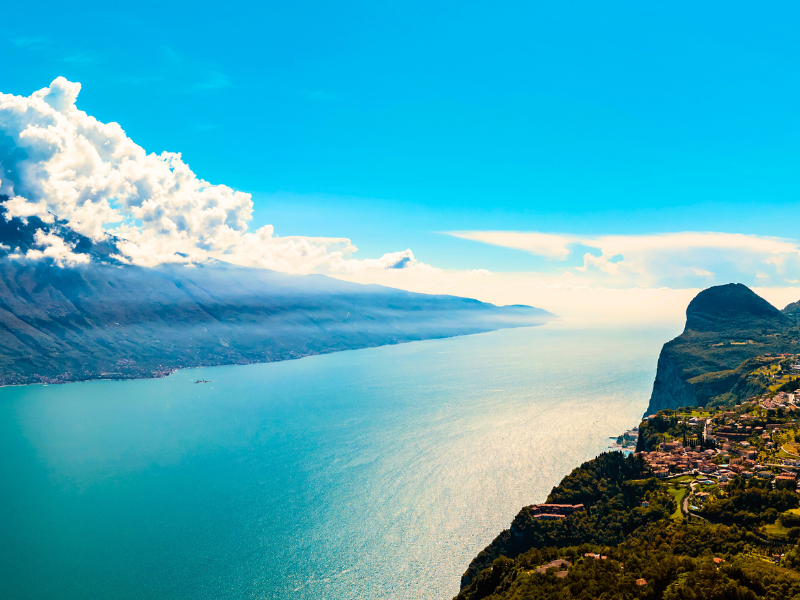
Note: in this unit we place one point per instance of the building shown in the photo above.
(556, 564)
(556, 509)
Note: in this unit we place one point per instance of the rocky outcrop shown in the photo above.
(725, 326)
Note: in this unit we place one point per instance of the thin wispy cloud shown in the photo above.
(37, 42)
(211, 80)
(81, 58)
(550, 245)
(680, 259)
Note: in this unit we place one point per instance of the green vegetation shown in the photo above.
(677, 559)
(667, 575)
(667, 426)
(783, 454)
(750, 502)
(683, 479)
(739, 539)
(776, 529)
(612, 491)
(678, 493)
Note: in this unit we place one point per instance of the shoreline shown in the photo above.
(169, 371)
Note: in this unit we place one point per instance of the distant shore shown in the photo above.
(170, 370)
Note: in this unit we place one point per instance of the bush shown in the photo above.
(790, 520)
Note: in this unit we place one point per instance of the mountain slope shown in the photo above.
(792, 311)
(108, 319)
(725, 326)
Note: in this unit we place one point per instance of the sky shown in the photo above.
(602, 161)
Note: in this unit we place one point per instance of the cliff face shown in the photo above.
(725, 326)
(669, 389)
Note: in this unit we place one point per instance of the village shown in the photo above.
(755, 439)
(752, 444)
(699, 451)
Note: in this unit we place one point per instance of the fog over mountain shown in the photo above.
(91, 315)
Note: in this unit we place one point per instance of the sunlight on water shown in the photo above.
(376, 473)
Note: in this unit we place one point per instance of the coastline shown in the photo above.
(171, 370)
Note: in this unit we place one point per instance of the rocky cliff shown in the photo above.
(725, 326)
(670, 390)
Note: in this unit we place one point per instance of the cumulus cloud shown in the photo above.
(57, 249)
(56, 159)
(680, 260)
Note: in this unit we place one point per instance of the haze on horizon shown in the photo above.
(603, 164)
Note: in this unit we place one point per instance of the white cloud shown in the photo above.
(57, 249)
(684, 259)
(67, 162)
(542, 244)
(394, 261)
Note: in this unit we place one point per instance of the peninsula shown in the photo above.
(707, 504)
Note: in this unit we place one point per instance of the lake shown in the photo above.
(376, 473)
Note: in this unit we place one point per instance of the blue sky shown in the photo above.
(389, 123)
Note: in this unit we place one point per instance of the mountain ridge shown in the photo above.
(107, 319)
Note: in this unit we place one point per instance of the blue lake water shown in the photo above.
(374, 473)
